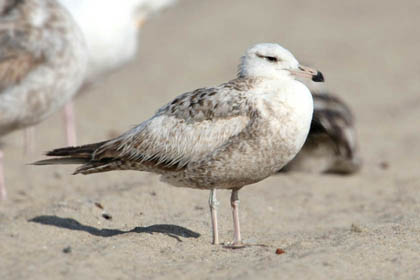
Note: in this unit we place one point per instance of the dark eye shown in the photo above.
(271, 58)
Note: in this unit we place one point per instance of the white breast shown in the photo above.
(287, 107)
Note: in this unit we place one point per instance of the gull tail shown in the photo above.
(70, 155)
(63, 160)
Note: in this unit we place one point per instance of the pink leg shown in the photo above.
(213, 203)
(3, 193)
(69, 119)
(237, 241)
(234, 200)
(29, 139)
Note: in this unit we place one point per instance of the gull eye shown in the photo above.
(271, 58)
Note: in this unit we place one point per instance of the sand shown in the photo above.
(365, 226)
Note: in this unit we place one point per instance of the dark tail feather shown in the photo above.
(84, 151)
(71, 155)
(62, 160)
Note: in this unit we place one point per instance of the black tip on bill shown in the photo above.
(318, 77)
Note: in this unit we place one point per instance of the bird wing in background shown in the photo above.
(15, 61)
(333, 116)
(331, 145)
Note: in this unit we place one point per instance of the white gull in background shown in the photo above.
(42, 63)
(111, 29)
(223, 137)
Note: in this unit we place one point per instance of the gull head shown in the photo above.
(272, 61)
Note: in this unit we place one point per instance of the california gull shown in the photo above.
(222, 137)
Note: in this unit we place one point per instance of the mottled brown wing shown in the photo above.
(191, 126)
(15, 61)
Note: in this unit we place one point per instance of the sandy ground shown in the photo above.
(50, 227)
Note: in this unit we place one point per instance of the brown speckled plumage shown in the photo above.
(243, 136)
(222, 137)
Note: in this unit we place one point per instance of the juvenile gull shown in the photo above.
(223, 137)
(42, 63)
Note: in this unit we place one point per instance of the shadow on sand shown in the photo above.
(173, 231)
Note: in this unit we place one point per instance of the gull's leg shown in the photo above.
(213, 203)
(3, 193)
(234, 201)
(69, 120)
(29, 140)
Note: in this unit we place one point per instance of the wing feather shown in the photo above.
(191, 126)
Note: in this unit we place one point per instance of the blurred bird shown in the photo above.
(43, 62)
(111, 29)
(331, 146)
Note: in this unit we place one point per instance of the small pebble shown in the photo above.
(22, 192)
(99, 205)
(355, 228)
(67, 250)
(280, 251)
(384, 165)
(107, 216)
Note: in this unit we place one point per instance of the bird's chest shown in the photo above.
(283, 128)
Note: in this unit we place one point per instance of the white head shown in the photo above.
(273, 61)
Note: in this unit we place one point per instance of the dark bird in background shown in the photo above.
(331, 146)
